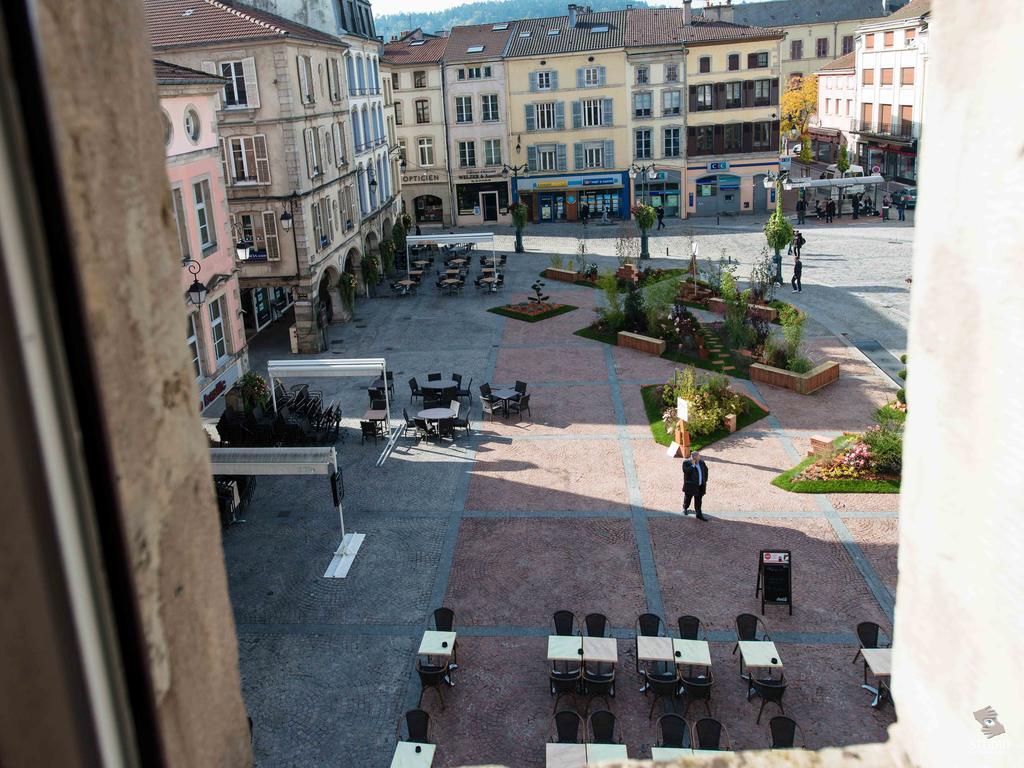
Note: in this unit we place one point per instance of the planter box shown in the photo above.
(803, 383)
(717, 305)
(628, 272)
(700, 296)
(565, 275)
(643, 343)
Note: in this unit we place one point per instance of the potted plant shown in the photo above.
(520, 213)
(254, 390)
(347, 286)
(371, 272)
(778, 230)
(644, 215)
(387, 256)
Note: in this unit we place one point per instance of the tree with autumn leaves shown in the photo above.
(799, 103)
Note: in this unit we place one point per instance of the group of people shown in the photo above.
(861, 204)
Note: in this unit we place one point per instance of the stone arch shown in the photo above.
(328, 294)
(385, 228)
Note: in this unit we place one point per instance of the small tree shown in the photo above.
(625, 246)
(611, 314)
(843, 163)
(520, 215)
(778, 230)
(255, 391)
(371, 271)
(387, 256)
(645, 216)
(347, 287)
(805, 151)
(762, 277)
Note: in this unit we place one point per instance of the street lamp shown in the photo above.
(646, 172)
(196, 293)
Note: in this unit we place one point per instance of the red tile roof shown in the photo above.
(175, 74)
(664, 26)
(195, 23)
(406, 51)
(846, 61)
(493, 42)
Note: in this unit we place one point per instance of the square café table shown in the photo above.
(654, 648)
(879, 661)
(406, 755)
(372, 415)
(565, 755)
(758, 654)
(605, 753)
(693, 653)
(565, 647)
(437, 643)
(667, 754)
(603, 649)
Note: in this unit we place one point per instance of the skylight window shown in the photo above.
(416, 42)
(496, 27)
(552, 32)
(474, 49)
(525, 33)
(601, 28)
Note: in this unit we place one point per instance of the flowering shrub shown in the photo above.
(709, 403)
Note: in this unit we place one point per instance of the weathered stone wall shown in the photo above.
(98, 70)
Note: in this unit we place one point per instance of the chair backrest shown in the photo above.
(413, 385)
(708, 733)
(689, 628)
(369, 428)
(450, 393)
(457, 378)
(699, 686)
(596, 624)
(405, 414)
(524, 402)
(445, 426)
(769, 689)
(782, 732)
(649, 625)
(521, 387)
(663, 683)
(455, 405)
(444, 619)
(485, 390)
(420, 424)
(379, 405)
(430, 675)
(565, 623)
(868, 633)
(390, 376)
(602, 727)
(417, 722)
(674, 730)
(746, 626)
(567, 726)
(433, 377)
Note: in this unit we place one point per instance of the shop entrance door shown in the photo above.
(489, 205)
(552, 207)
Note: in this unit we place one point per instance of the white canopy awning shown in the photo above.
(451, 239)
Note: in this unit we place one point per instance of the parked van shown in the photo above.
(854, 171)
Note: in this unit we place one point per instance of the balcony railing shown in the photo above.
(904, 129)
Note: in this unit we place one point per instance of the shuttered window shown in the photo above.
(181, 221)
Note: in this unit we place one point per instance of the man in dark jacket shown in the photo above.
(798, 270)
(695, 483)
(830, 211)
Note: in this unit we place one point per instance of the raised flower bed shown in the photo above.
(562, 275)
(532, 311)
(802, 383)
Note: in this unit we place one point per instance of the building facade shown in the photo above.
(568, 111)
(817, 31)
(832, 126)
(303, 153)
(215, 333)
(479, 144)
(417, 86)
(891, 67)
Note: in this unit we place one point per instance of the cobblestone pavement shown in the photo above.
(574, 507)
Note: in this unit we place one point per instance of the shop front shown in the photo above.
(481, 198)
(663, 190)
(726, 188)
(897, 162)
(262, 306)
(561, 198)
(428, 196)
(825, 144)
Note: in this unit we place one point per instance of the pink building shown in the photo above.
(214, 333)
(837, 109)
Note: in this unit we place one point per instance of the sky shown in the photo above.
(386, 7)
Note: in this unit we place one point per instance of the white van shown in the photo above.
(853, 172)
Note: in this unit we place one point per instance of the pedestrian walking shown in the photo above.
(798, 242)
(801, 210)
(901, 209)
(584, 213)
(886, 204)
(830, 211)
(695, 484)
(777, 261)
(798, 269)
(661, 216)
(818, 210)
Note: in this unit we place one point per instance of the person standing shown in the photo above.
(798, 269)
(830, 211)
(584, 213)
(695, 484)
(661, 216)
(801, 210)
(901, 208)
(798, 242)
(886, 204)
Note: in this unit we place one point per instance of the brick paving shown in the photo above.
(576, 508)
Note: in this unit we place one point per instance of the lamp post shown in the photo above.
(515, 170)
(646, 173)
(196, 293)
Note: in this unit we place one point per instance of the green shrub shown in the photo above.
(255, 390)
(800, 365)
(611, 313)
(901, 395)
(709, 402)
(633, 308)
(398, 235)
(555, 259)
(387, 256)
(886, 444)
(773, 353)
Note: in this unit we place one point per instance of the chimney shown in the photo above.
(687, 12)
(572, 15)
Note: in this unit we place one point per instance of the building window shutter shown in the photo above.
(775, 132)
(303, 82)
(339, 144)
(691, 140)
(775, 91)
(252, 90)
(531, 117)
(577, 155)
(559, 115)
(224, 162)
(328, 143)
(577, 114)
(211, 67)
(531, 158)
(748, 137)
(579, 77)
(560, 157)
(693, 98)
(718, 140)
(553, 75)
(259, 145)
(609, 153)
(533, 82)
(307, 137)
(606, 109)
(600, 75)
(751, 61)
(270, 235)
(718, 99)
(748, 93)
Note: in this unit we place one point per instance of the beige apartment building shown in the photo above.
(303, 152)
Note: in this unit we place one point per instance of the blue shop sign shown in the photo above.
(718, 165)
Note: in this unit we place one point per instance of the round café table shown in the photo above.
(439, 385)
(436, 414)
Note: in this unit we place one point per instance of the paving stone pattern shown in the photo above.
(575, 508)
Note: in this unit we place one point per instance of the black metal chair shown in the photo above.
(446, 429)
(369, 429)
(432, 676)
(782, 732)
(431, 400)
(597, 683)
(467, 392)
(568, 725)
(417, 727)
(424, 428)
(379, 405)
(565, 682)
(433, 377)
(648, 625)
(520, 405)
(520, 388)
(490, 407)
(595, 625)
(414, 389)
(376, 393)
(565, 623)
(444, 620)
(461, 421)
(457, 378)
(870, 636)
(770, 690)
(485, 391)
(602, 728)
(708, 733)
(664, 685)
(389, 381)
(409, 423)
(674, 730)
(697, 688)
(691, 628)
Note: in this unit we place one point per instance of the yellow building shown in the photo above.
(569, 115)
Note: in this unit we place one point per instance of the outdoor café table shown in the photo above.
(654, 648)
(436, 414)
(490, 282)
(713, 752)
(602, 753)
(440, 384)
(407, 282)
(451, 271)
(450, 281)
(758, 654)
(437, 643)
(879, 661)
(565, 647)
(378, 415)
(459, 261)
(566, 755)
(415, 272)
(406, 755)
(600, 649)
(667, 754)
(488, 270)
(695, 653)
(504, 395)
(421, 262)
